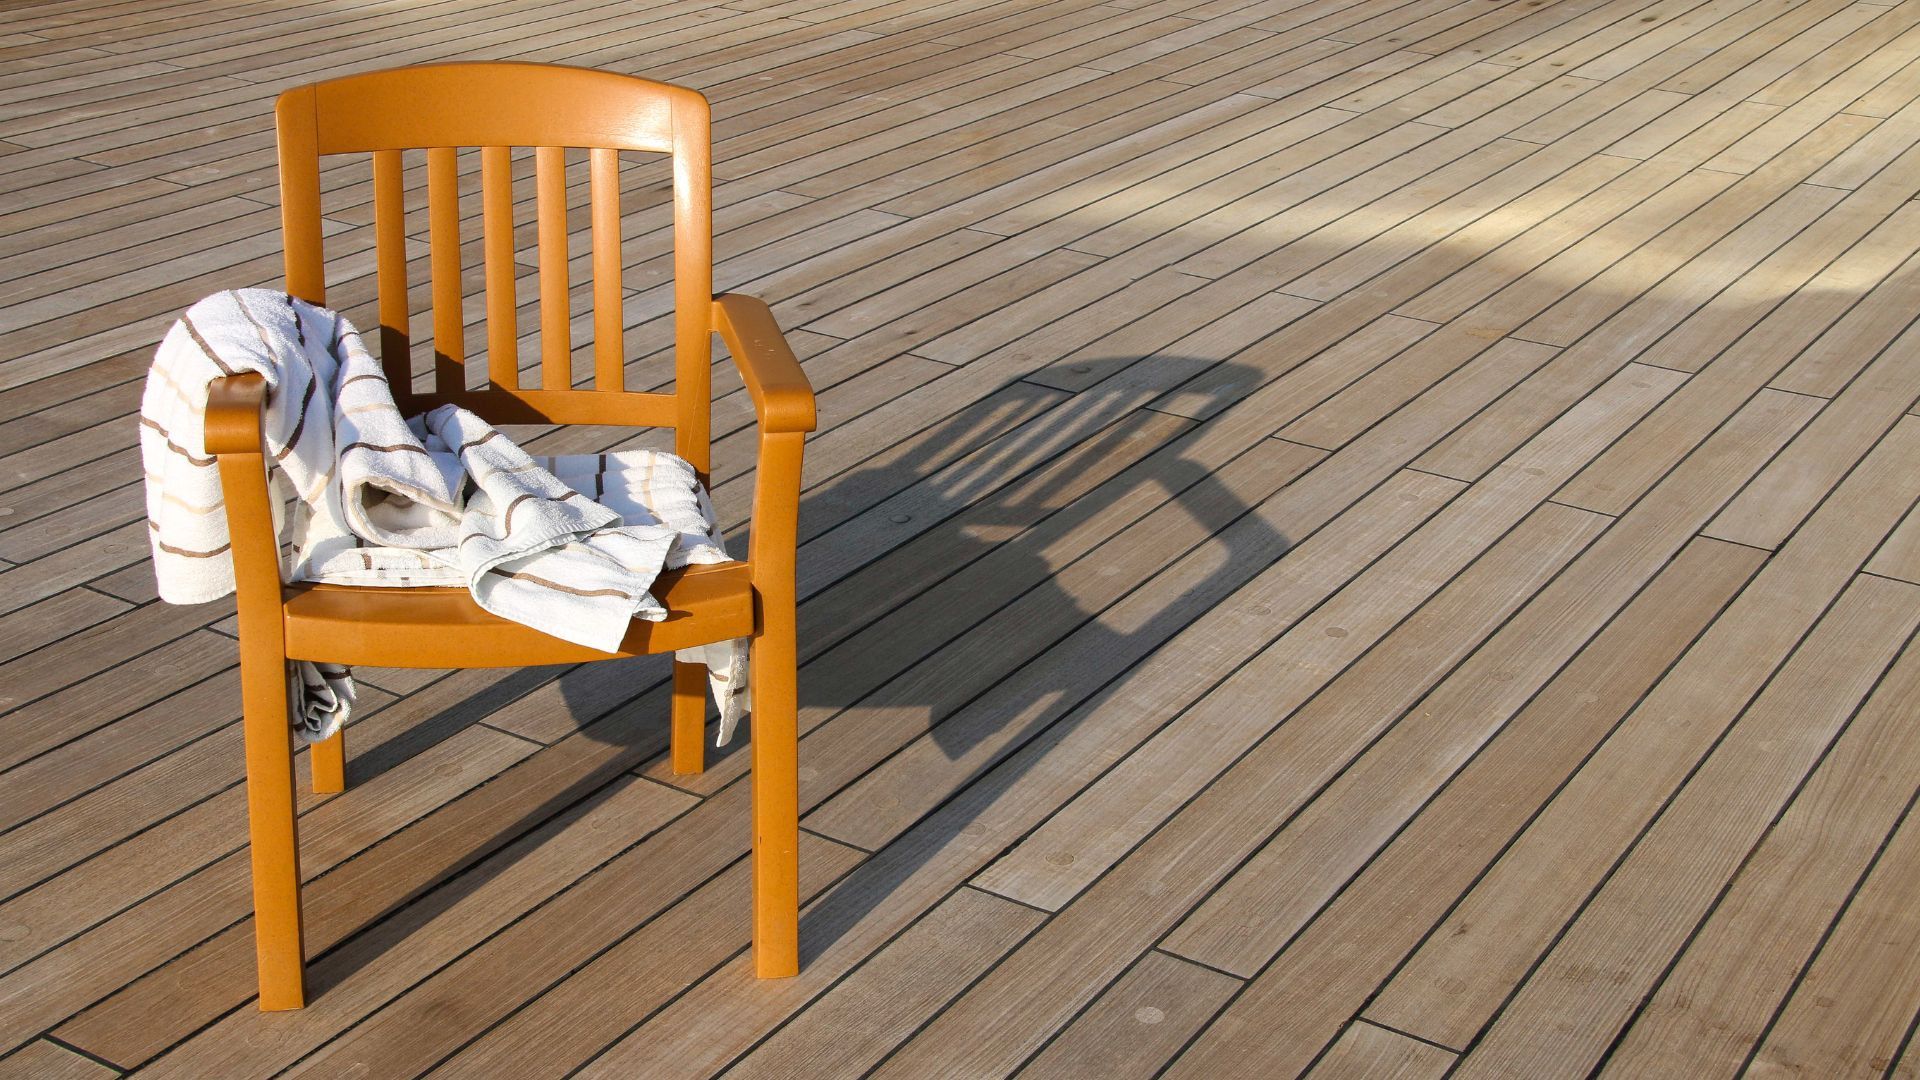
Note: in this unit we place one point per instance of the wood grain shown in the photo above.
(1585, 330)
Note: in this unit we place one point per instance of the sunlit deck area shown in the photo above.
(1351, 538)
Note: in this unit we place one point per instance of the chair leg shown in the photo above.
(328, 760)
(279, 947)
(776, 799)
(689, 718)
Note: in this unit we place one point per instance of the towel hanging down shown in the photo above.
(437, 499)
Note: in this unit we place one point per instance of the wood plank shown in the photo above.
(1138, 1024)
(1011, 1012)
(1625, 470)
(1483, 955)
(851, 1027)
(44, 1059)
(1216, 388)
(91, 651)
(1303, 507)
(59, 982)
(1739, 966)
(1372, 1052)
(1301, 1002)
(1207, 528)
(378, 967)
(1632, 928)
(1336, 421)
(702, 929)
(55, 618)
(1795, 482)
(1243, 924)
(938, 854)
(1590, 305)
(1619, 218)
(1899, 557)
(1843, 1025)
(1783, 330)
(1102, 824)
(1825, 365)
(65, 815)
(1857, 227)
(48, 722)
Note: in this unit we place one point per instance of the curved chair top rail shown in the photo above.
(498, 103)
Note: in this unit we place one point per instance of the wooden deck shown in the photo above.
(1406, 502)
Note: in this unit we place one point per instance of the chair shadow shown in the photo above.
(971, 716)
(964, 495)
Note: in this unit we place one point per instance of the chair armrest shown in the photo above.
(233, 436)
(232, 421)
(783, 404)
(782, 397)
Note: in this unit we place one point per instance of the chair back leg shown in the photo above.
(281, 951)
(689, 718)
(328, 760)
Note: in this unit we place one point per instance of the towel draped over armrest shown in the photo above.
(568, 545)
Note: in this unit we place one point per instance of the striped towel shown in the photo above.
(439, 499)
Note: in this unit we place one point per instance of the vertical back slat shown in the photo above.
(609, 336)
(299, 157)
(443, 240)
(556, 339)
(496, 198)
(390, 244)
(693, 281)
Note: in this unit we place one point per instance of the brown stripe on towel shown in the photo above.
(384, 449)
(189, 554)
(170, 497)
(166, 437)
(506, 519)
(482, 440)
(519, 575)
(261, 331)
(194, 332)
(300, 425)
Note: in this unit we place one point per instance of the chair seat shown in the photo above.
(444, 628)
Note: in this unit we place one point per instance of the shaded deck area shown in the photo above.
(1348, 537)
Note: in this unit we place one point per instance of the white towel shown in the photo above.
(440, 499)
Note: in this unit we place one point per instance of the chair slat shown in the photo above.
(294, 117)
(609, 336)
(693, 286)
(496, 196)
(443, 239)
(390, 244)
(556, 338)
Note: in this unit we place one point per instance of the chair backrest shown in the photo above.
(442, 108)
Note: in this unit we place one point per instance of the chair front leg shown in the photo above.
(774, 683)
(233, 433)
(271, 820)
(776, 795)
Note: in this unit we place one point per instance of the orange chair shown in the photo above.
(496, 106)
